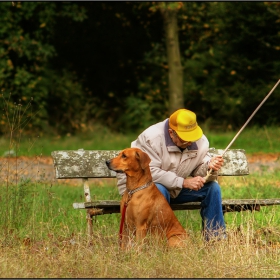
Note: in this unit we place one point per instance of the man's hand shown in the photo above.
(195, 183)
(216, 163)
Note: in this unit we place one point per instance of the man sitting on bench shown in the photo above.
(179, 162)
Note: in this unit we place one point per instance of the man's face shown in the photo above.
(177, 140)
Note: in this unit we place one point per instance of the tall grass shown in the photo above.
(51, 241)
(249, 252)
(42, 236)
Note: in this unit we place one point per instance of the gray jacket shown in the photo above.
(169, 166)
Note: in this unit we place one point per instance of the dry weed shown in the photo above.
(241, 255)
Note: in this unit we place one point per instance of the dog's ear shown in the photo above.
(143, 158)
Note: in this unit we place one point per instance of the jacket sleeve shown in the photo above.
(154, 149)
(203, 169)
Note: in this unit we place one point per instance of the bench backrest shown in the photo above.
(91, 163)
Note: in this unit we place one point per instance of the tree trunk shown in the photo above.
(175, 71)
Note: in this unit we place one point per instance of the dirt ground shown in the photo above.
(40, 169)
(263, 162)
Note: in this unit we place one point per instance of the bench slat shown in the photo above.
(229, 205)
(83, 164)
(91, 163)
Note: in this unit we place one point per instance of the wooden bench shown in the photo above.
(87, 164)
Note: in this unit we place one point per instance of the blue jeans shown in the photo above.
(213, 224)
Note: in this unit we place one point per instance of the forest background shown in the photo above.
(78, 64)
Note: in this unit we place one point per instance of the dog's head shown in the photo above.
(129, 161)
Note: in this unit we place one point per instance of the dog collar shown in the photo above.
(131, 192)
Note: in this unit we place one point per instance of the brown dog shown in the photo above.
(147, 209)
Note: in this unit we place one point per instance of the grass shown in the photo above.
(104, 260)
(37, 145)
(51, 242)
(252, 140)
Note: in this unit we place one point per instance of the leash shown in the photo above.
(238, 133)
(130, 193)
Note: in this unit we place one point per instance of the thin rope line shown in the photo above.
(209, 172)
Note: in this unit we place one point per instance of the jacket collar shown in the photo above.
(169, 142)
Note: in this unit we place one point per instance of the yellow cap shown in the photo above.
(183, 121)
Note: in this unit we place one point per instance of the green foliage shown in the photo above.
(91, 61)
(150, 104)
(229, 54)
(26, 49)
(67, 108)
(234, 63)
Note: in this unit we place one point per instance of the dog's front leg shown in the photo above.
(141, 233)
